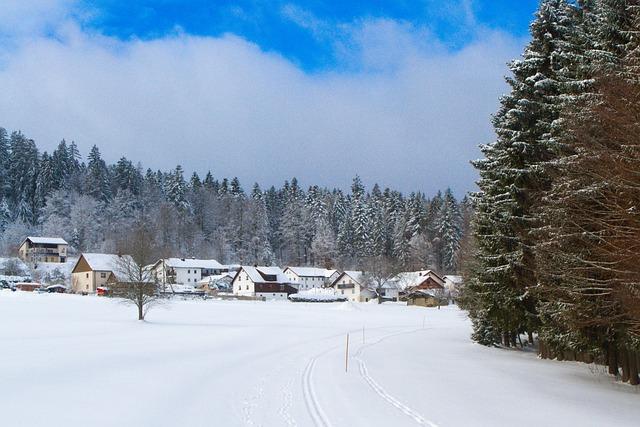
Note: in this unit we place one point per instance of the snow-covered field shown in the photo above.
(84, 361)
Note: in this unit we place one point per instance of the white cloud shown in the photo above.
(410, 119)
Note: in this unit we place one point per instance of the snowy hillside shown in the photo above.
(77, 361)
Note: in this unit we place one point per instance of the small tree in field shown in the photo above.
(378, 271)
(136, 284)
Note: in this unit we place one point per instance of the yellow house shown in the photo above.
(93, 271)
(43, 249)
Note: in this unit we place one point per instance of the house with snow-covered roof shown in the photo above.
(95, 270)
(311, 277)
(262, 282)
(216, 283)
(43, 249)
(413, 280)
(353, 285)
(186, 271)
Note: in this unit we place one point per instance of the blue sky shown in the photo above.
(400, 92)
(269, 24)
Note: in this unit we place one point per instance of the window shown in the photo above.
(87, 287)
(247, 287)
(103, 275)
(87, 275)
(188, 280)
(188, 271)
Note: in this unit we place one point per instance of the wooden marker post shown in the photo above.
(346, 356)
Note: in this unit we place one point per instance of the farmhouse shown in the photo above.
(417, 280)
(43, 249)
(186, 271)
(352, 284)
(311, 277)
(93, 271)
(265, 282)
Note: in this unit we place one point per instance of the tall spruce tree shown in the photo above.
(511, 181)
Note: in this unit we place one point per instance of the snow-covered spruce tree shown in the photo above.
(97, 177)
(449, 226)
(175, 189)
(588, 250)
(293, 223)
(23, 170)
(511, 180)
(259, 249)
(360, 220)
(127, 177)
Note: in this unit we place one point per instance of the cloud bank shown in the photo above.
(408, 113)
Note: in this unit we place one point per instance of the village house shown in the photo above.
(408, 282)
(216, 283)
(43, 249)
(352, 284)
(262, 282)
(93, 271)
(311, 277)
(186, 271)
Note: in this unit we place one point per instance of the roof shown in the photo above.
(454, 279)
(102, 262)
(312, 272)
(209, 264)
(259, 274)
(47, 240)
(357, 276)
(412, 279)
(216, 277)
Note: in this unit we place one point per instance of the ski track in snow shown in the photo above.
(380, 391)
(311, 400)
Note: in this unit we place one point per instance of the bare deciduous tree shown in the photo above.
(135, 282)
(378, 271)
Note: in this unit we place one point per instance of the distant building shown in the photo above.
(352, 284)
(186, 271)
(408, 282)
(265, 282)
(43, 249)
(390, 291)
(93, 271)
(311, 277)
(216, 283)
(425, 298)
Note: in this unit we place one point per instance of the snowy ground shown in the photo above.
(68, 360)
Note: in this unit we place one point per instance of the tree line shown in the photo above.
(95, 207)
(555, 252)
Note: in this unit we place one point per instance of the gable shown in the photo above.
(81, 266)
